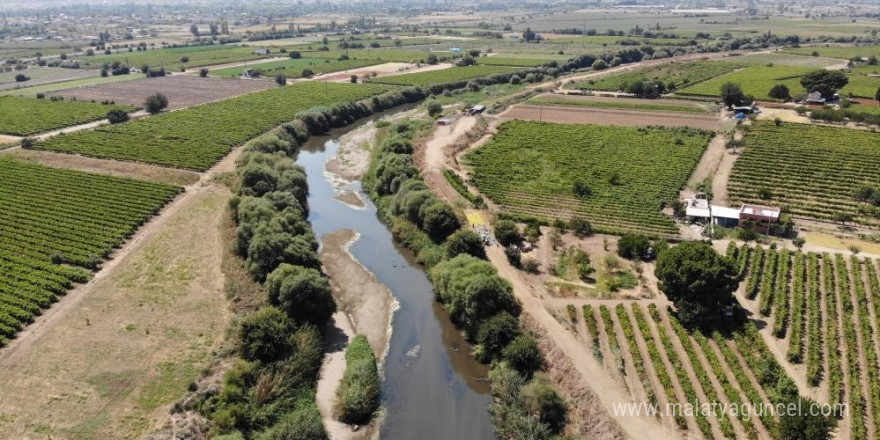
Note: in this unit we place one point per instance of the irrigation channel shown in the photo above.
(433, 389)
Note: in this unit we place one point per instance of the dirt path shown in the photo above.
(609, 393)
(434, 154)
(708, 167)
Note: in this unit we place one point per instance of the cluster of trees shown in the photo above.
(826, 82)
(639, 247)
(115, 68)
(357, 397)
(846, 114)
(155, 103)
(321, 119)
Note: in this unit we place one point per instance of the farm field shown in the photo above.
(32, 91)
(181, 90)
(758, 80)
(664, 105)
(647, 351)
(811, 170)
(678, 75)
(443, 76)
(42, 75)
(784, 59)
(408, 55)
(173, 58)
(581, 114)
(822, 311)
(27, 116)
(294, 68)
(840, 52)
(180, 139)
(53, 216)
(531, 168)
(504, 60)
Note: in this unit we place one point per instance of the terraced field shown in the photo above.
(823, 309)
(660, 362)
(58, 223)
(27, 116)
(812, 170)
(197, 137)
(531, 168)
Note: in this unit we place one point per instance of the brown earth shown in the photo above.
(602, 116)
(108, 361)
(181, 90)
(103, 166)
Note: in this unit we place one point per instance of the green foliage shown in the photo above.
(633, 247)
(358, 392)
(523, 355)
(301, 424)
(698, 280)
(780, 92)
(117, 116)
(495, 334)
(550, 158)
(732, 94)
(263, 335)
(54, 216)
(434, 108)
(507, 233)
(465, 241)
(679, 75)
(27, 116)
(826, 82)
(443, 76)
(472, 292)
(303, 293)
(155, 103)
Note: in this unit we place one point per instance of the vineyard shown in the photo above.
(27, 116)
(839, 52)
(624, 104)
(811, 170)
(442, 76)
(197, 137)
(57, 223)
(660, 362)
(758, 80)
(172, 58)
(512, 62)
(823, 309)
(677, 74)
(625, 174)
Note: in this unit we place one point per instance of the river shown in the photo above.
(433, 389)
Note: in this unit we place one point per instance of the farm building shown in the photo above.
(698, 209)
(815, 98)
(759, 213)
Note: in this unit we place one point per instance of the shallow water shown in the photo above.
(433, 389)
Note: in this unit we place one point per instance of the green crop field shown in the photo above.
(27, 116)
(531, 168)
(839, 52)
(625, 104)
(512, 62)
(677, 74)
(172, 58)
(294, 68)
(197, 137)
(811, 170)
(442, 76)
(385, 55)
(42, 75)
(66, 85)
(758, 80)
(53, 216)
(763, 59)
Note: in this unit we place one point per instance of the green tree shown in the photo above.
(804, 425)
(864, 193)
(303, 423)
(877, 95)
(155, 103)
(541, 398)
(633, 246)
(304, 294)
(699, 281)
(523, 355)
(580, 226)
(439, 220)
(263, 335)
(599, 65)
(507, 233)
(431, 59)
(732, 94)
(117, 116)
(280, 79)
(495, 334)
(465, 241)
(780, 92)
(826, 82)
(203, 72)
(434, 108)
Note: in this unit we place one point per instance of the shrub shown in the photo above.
(523, 355)
(465, 241)
(304, 423)
(203, 72)
(358, 393)
(155, 103)
(633, 246)
(581, 227)
(542, 399)
(495, 334)
(507, 233)
(780, 91)
(263, 335)
(302, 293)
(117, 116)
(280, 79)
(21, 77)
(434, 108)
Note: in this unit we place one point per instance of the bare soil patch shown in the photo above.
(109, 361)
(181, 90)
(111, 167)
(585, 115)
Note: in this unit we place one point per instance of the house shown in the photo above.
(724, 216)
(815, 98)
(477, 109)
(758, 213)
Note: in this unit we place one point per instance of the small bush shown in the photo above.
(358, 393)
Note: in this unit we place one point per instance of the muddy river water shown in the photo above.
(433, 389)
